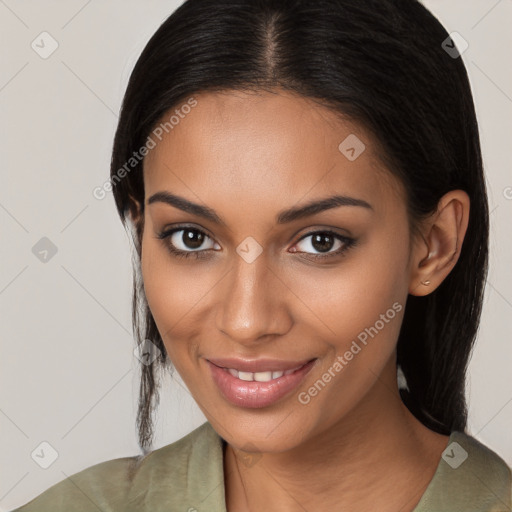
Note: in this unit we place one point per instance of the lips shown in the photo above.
(257, 383)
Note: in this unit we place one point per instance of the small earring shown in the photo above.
(426, 283)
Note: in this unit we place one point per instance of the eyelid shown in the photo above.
(177, 227)
(343, 233)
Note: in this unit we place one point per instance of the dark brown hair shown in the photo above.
(382, 64)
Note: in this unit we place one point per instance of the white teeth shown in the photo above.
(259, 376)
(263, 376)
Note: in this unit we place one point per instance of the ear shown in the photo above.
(437, 249)
(134, 210)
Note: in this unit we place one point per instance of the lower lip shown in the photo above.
(254, 394)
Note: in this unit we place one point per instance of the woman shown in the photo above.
(304, 186)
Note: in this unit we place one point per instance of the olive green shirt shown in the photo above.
(188, 476)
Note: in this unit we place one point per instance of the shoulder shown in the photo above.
(165, 478)
(470, 477)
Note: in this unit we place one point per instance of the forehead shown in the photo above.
(270, 148)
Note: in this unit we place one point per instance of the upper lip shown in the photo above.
(257, 365)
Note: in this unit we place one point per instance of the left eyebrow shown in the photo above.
(285, 216)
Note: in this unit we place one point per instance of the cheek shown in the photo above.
(174, 294)
(347, 298)
(358, 310)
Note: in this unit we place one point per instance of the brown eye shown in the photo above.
(187, 241)
(323, 242)
(191, 238)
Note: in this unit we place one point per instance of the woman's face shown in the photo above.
(268, 290)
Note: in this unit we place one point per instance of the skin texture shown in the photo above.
(249, 156)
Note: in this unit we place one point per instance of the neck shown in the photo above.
(379, 451)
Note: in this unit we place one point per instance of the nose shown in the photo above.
(253, 303)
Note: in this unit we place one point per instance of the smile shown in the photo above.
(269, 382)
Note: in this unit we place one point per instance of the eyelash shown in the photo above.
(201, 254)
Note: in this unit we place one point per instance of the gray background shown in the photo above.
(68, 373)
